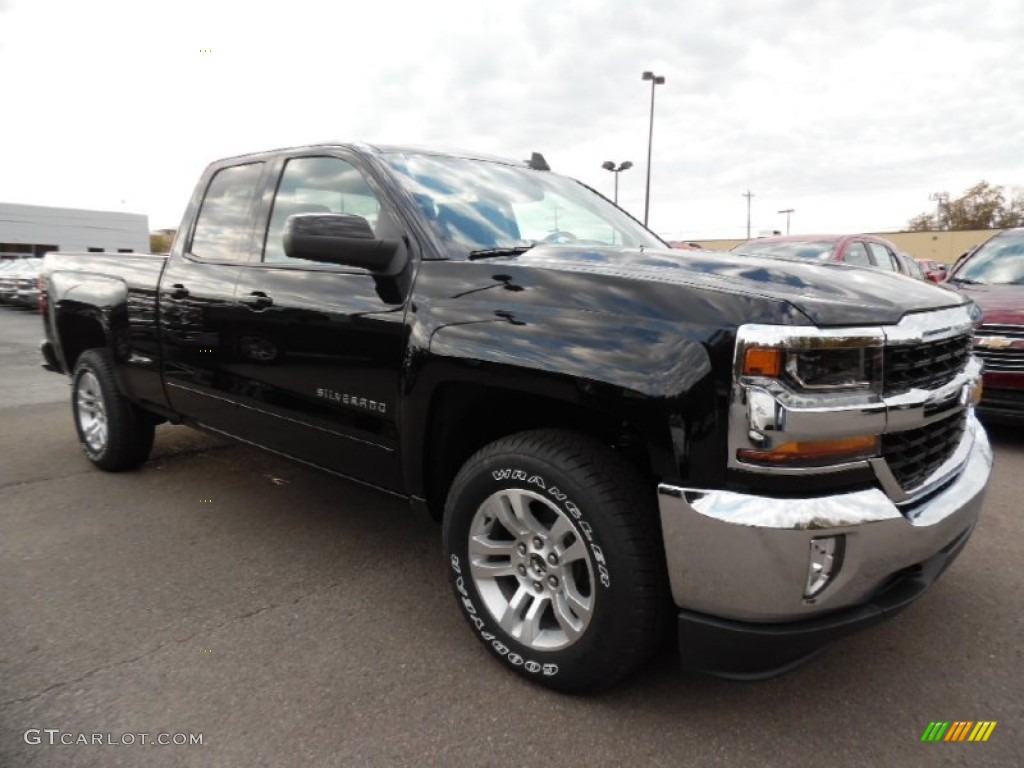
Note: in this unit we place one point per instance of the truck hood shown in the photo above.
(1001, 304)
(828, 293)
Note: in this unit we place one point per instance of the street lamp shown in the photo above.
(787, 211)
(940, 199)
(655, 80)
(608, 165)
(749, 195)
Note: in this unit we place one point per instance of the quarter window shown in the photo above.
(225, 217)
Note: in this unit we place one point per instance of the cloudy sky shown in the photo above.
(849, 112)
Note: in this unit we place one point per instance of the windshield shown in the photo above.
(1000, 261)
(479, 205)
(817, 250)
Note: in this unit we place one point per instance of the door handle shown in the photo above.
(257, 300)
(178, 291)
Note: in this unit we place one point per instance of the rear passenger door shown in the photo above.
(196, 297)
(319, 346)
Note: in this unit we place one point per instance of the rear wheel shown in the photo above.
(114, 433)
(555, 558)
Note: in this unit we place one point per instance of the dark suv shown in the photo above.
(993, 275)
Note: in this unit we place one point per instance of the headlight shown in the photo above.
(831, 369)
(822, 369)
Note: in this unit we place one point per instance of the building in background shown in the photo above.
(32, 230)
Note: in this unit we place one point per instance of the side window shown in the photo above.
(225, 217)
(857, 254)
(318, 185)
(883, 258)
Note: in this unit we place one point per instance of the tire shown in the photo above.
(115, 434)
(555, 559)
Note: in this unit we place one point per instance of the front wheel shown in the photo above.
(115, 434)
(555, 558)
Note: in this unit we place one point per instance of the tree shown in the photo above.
(923, 222)
(160, 241)
(983, 206)
(1013, 215)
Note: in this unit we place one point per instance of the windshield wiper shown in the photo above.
(487, 253)
(966, 281)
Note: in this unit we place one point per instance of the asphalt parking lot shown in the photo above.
(295, 619)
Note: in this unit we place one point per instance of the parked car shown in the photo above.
(5, 267)
(26, 283)
(910, 266)
(933, 270)
(993, 275)
(613, 435)
(18, 282)
(861, 250)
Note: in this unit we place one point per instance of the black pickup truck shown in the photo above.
(615, 436)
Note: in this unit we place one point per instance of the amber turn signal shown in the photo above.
(976, 392)
(762, 361)
(813, 451)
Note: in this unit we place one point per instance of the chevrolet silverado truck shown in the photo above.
(617, 439)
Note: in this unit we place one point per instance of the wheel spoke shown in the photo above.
(531, 621)
(520, 503)
(577, 603)
(576, 551)
(499, 508)
(509, 515)
(570, 624)
(561, 527)
(482, 569)
(488, 547)
(510, 619)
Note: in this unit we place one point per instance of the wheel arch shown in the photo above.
(465, 416)
(79, 330)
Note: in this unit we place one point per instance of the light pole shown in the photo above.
(608, 165)
(940, 199)
(655, 80)
(787, 211)
(748, 194)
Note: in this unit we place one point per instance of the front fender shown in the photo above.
(656, 359)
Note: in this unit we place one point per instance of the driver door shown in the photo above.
(319, 346)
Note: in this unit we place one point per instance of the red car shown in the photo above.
(863, 250)
(993, 275)
(933, 270)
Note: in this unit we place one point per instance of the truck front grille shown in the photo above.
(914, 454)
(1004, 356)
(925, 366)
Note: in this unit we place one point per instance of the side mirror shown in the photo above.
(341, 238)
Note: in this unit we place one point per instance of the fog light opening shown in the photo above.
(826, 558)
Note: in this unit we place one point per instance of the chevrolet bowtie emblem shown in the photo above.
(993, 342)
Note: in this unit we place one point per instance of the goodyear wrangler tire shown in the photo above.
(555, 559)
(114, 433)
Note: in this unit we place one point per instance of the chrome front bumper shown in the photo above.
(746, 558)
